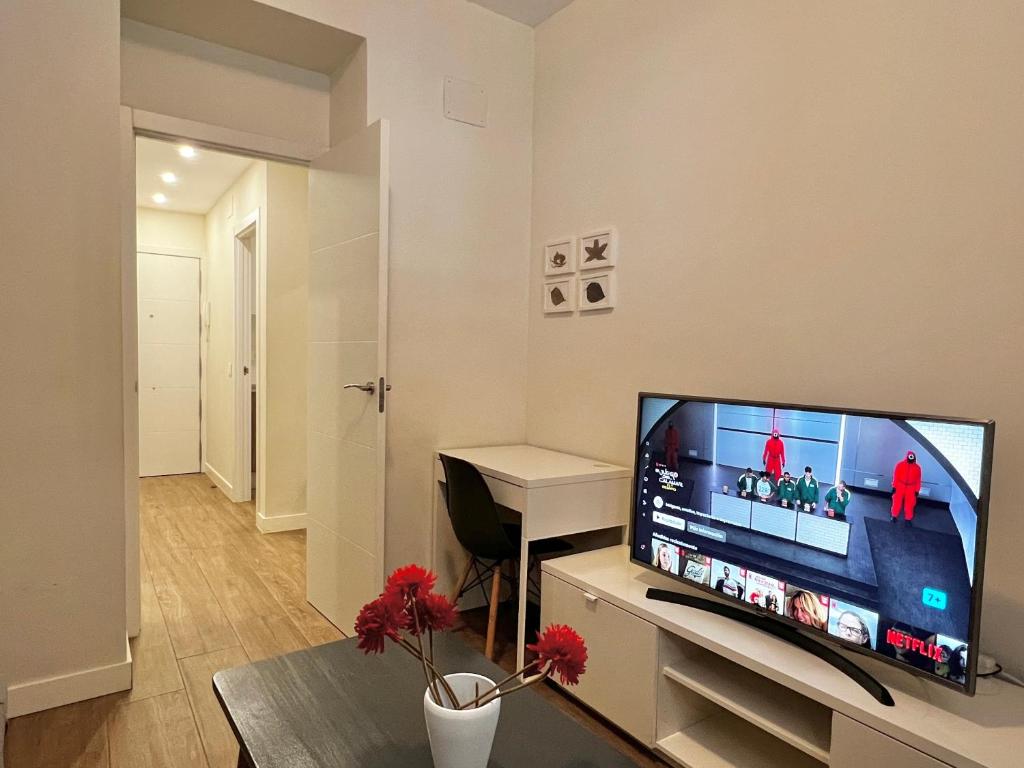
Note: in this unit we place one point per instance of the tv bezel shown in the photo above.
(970, 683)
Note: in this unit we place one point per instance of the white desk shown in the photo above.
(557, 494)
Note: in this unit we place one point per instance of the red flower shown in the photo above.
(434, 612)
(378, 621)
(563, 650)
(409, 581)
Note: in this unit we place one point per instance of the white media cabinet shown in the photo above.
(709, 692)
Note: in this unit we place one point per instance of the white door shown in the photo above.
(168, 290)
(348, 269)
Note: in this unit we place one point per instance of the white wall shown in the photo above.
(170, 229)
(872, 147)
(248, 193)
(285, 364)
(348, 97)
(460, 201)
(180, 76)
(280, 192)
(62, 519)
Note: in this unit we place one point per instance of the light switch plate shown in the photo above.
(465, 102)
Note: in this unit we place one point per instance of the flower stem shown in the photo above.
(431, 679)
(508, 679)
(525, 684)
(528, 682)
(437, 674)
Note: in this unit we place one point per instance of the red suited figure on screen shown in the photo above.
(672, 447)
(906, 484)
(774, 455)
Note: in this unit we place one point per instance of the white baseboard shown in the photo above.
(278, 523)
(219, 480)
(37, 695)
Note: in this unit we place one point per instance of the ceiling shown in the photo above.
(201, 180)
(531, 12)
(250, 26)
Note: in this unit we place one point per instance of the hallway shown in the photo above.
(216, 593)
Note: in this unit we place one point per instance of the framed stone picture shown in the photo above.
(596, 291)
(559, 296)
(560, 256)
(599, 249)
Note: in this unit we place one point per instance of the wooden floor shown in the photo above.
(216, 593)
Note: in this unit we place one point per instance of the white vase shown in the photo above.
(461, 738)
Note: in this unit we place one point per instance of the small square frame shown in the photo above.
(607, 282)
(567, 286)
(564, 247)
(607, 257)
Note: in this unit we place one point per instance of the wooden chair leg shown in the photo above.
(462, 581)
(492, 614)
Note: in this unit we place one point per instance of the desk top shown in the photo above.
(986, 731)
(334, 706)
(532, 467)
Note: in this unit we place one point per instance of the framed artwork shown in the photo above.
(560, 256)
(599, 249)
(559, 296)
(596, 291)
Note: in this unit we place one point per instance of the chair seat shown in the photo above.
(542, 547)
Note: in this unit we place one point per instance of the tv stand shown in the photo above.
(783, 632)
(704, 691)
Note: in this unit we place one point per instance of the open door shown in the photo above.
(348, 301)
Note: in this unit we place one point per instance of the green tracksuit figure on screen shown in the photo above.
(787, 490)
(837, 500)
(807, 490)
(746, 483)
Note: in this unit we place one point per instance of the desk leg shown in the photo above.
(524, 582)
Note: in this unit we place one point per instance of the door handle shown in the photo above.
(369, 387)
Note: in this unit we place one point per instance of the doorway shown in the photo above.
(197, 222)
(247, 356)
(292, 306)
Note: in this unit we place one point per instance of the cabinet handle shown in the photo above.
(592, 599)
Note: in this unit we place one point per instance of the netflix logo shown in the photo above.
(905, 642)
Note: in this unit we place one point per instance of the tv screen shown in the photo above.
(863, 528)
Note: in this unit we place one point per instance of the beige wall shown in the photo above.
(348, 97)
(280, 192)
(180, 76)
(286, 321)
(460, 201)
(246, 195)
(170, 229)
(873, 148)
(62, 520)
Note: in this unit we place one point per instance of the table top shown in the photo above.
(533, 467)
(334, 706)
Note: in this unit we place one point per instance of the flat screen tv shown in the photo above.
(862, 528)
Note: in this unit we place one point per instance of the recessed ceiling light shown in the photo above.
(168, 177)
(186, 151)
(159, 198)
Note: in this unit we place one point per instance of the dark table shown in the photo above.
(334, 707)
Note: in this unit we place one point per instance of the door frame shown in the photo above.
(248, 260)
(133, 124)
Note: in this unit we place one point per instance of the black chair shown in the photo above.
(491, 543)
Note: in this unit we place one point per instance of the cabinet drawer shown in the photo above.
(622, 668)
(855, 745)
